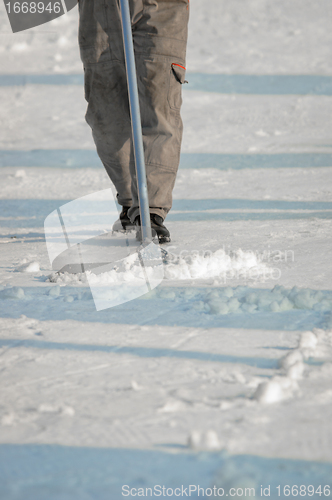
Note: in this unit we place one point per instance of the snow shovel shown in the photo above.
(136, 124)
(79, 234)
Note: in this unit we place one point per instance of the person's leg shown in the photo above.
(160, 36)
(160, 39)
(101, 47)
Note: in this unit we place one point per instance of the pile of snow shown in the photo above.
(217, 300)
(217, 264)
(134, 275)
(20, 173)
(293, 364)
(243, 299)
(68, 278)
(189, 266)
(275, 390)
(308, 341)
(28, 267)
(284, 386)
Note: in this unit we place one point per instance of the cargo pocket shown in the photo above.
(87, 82)
(177, 78)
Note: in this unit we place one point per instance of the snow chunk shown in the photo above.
(251, 298)
(290, 359)
(295, 372)
(172, 406)
(227, 292)
(308, 343)
(20, 173)
(67, 278)
(51, 409)
(233, 305)
(324, 305)
(243, 299)
(305, 299)
(218, 307)
(249, 308)
(308, 340)
(8, 419)
(135, 386)
(207, 441)
(285, 305)
(69, 298)
(68, 411)
(19, 47)
(293, 364)
(62, 41)
(55, 291)
(14, 292)
(216, 264)
(276, 389)
(48, 408)
(29, 267)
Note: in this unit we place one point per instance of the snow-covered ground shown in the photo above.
(220, 376)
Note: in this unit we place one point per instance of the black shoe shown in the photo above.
(157, 226)
(123, 223)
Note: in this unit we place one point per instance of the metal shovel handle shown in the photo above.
(136, 123)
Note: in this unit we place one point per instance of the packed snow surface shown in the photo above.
(220, 376)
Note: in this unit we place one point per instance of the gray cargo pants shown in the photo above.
(160, 38)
